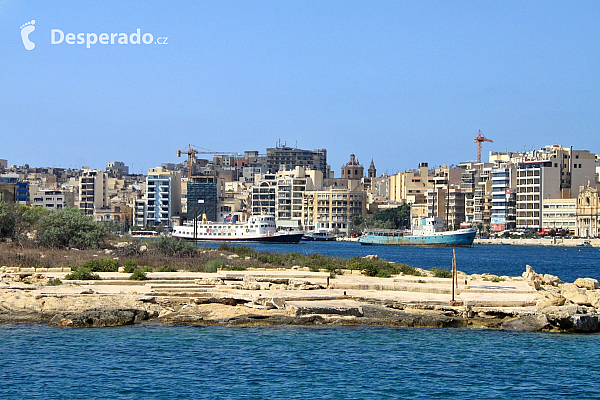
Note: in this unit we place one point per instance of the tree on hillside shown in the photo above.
(392, 218)
(70, 227)
(17, 220)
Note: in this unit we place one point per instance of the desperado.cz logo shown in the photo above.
(57, 36)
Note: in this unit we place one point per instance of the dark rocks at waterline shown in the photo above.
(98, 318)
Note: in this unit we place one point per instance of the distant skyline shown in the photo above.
(394, 81)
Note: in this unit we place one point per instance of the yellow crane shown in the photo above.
(191, 153)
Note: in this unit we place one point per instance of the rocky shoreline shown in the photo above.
(531, 302)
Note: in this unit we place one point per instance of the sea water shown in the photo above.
(162, 362)
(568, 263)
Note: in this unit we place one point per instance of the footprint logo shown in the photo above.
(26, 29)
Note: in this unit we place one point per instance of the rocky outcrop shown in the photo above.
(98, 318)
(586, 283)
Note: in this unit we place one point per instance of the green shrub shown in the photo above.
(213, 265)
(244, 251)
(165, 268)
(128, 269)
(270, 258)
(234, 268)
(441, 272)
(70, 227)
(54, 282)
(82, 274)
(380, 268)
(102, 265)
(138, 275)
(130, 263)
(171, 246)
(224, 247)
(317, 262)
(147, 269)
(498, 279)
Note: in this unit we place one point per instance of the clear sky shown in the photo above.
(395, 81)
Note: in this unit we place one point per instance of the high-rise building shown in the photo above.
(504, 182)
(264, 194)
(291, 186)
(163, 197)
(93, 193)
(553, 172)
(287, 158)
(202, 197)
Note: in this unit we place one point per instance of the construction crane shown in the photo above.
(191, 153)
(480, 139)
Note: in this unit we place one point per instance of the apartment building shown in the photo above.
(163, 197)
(264, 194)
(559, 214)
(476, 183)
(93, 193)
(288, 158)
(411, 186)
(333, 209)
(53, 199)
(291, 186)
(553, 172)
(448, 204)
(504, 182)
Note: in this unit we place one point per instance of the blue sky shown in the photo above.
(400, 82)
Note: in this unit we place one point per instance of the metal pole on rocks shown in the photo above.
(453, 302)
(454, 268)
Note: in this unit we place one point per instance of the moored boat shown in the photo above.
(319, 236)
(258, 228)
(429, 232)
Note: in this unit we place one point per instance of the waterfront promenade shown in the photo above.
(547, 241)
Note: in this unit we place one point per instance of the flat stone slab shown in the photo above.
(335, 307)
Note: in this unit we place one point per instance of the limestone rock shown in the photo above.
(209, 281)
(97, 317)
(250, 286)
(550, 297)
(594, 298)
(551, 280)
(371, 257)
(526, 323)
(574, 294)
(534, 279)
(587, 283)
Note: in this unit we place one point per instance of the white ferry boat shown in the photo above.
(258, 228)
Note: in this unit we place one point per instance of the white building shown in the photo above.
(291, 186)
(53, 199)
(93, 193)
(163, 197)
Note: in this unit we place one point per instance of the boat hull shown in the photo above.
(461, 238)
(292, 238)
(311, 238)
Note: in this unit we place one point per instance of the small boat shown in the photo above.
(428, 232)
(258, 228)
(319, 236)
(585, 243)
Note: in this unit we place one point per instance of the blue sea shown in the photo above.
(160, 362)
(163, 362)
(568, 263)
